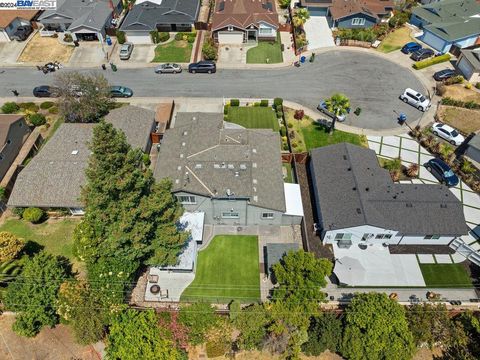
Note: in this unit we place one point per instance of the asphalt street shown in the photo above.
(371, 82)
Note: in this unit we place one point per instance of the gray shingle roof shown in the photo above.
(353, 190)
(135, 122)
(148, 14)
(275, 252)
(473, 57)
(202, 157)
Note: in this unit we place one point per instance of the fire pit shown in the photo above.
(155, 289)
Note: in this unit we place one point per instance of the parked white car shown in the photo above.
(416, 99)
(448, 133)
(126, 51)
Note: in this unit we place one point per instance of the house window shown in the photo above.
(267, 215)
(432, 237)
(265, 31)
(358, 21)
(187, 199)
(342, 236)
(383, 236)
(230, 215)
(366, 236)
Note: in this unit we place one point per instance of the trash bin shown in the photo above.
(76, 43)
(108, 40)
(402, 118)
(104, 67)
(282, 47)
(302, 59)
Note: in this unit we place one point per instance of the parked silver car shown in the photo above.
(125, 51)
(415, 99)
(168, 69)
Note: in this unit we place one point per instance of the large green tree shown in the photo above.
(33, 294)
(338, 104)
(325, 332)
(252, 324)
(135, 335)
(430, 324)
(199, 318)
(376, 328)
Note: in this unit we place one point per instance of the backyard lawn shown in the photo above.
(227, 269)
(395, 40)
(253, 117)
(265, 50)
(287, 172)
(174, 51)
(445, 275)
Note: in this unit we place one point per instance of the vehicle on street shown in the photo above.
(322, 107)
(448, 133)
(422, 54)
(120, 91)
(444, 74)
(168, 69)
(410, 47)
(45, 91)
(442, 172)
(125, 51)
(202, 67)
(22, 33)
(416, 99)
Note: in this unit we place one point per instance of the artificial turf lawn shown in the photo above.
(265, 50)
(174, 51)
(227, 269)
(315, 135)
(253, 117)
(445, 275)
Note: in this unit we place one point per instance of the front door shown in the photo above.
(252, 35)
(174, 27)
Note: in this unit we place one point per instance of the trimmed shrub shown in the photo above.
(120, 36)
(10, 107)
(299, 114)
(468, 86)
(459, 79)
(191, 38)
(34, 215)
(215, 349)
(18, 211)
(10, 246)
(290, 125)
(53, 110)
(185, 36)
(458, 103)
(154, 35)
(163, 36)
(29, 106)
(264, 103)
(68, 38)
(37, 119)
(283, 131)
(279, 114)
(432, 61)
(277, 102)
(46, 105)
(234, 102)
(225, 110)
(209, 51)
(2, 193)
(477, 85)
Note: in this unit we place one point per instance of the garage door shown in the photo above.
(466, 68)
(230, 37)
(433, 41)
(139, 37)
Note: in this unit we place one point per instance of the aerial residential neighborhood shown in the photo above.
(249, 179)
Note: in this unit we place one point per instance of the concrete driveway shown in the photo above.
(319, 34)
(10, 51)
(141, 54)
(232, 54)
(88, 54)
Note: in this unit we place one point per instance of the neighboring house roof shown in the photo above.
(243, 13)
(473, 57)
(201, 157)
(372, 8)
(353, 190)
(7, 16)
(316, 3)
(92, 14)
(146, 15)
(451, 19)
(6, 121)
(136, 122)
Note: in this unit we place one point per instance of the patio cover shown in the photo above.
(293, 200)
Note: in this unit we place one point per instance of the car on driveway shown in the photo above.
(416, 99)
(168, 69)
(422, 54)
(120, 91)
(442, 172)
(444, 74)
(322, 107)
(44, 91)
(410, 47)
(202, 67)
(448, 133)
(125, 51)
(22, 33)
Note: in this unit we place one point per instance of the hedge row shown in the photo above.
(458, 103)
(432, 61)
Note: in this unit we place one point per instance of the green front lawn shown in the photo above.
(289, 176)
(174, 51)
(252, 117)
(445, 275)
(56, 236)
(266, 50)
(227, 269)
(395, 40)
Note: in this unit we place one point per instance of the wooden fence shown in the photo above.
(349, 42)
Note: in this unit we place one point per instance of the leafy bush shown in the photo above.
(53, 110)
(68, 38)
(154, 35)
(234, 102)
(477, 85)
(163, 36)
(399, 19)
(458, 103)
(277, 102)
(299, 114)
(34, 215)
(279, 114)
(10, 246)
(290, 125)
(209, 51)
(18, 211)
(468, 86)
(283, 131)
(432, 61)
(225, 110)
(179, 36)
(284, 4)
(215, 349)
(46, 105)
(187, 36)
(393, 165)
(459, 79)
(264, 103)
(2, 193)
(120, 36)
(28, 106)
(37, 119)
(369, 35)
(10, 107)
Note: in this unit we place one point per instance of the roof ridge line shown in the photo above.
(200, 181)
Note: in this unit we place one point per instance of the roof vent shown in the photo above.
(359, 211)
(74, 152)
(443, 206)
(237, 173)
(354, 188)
(185, 133)
(367, 189)
(409, 205)
(344, 157)
(349, 169)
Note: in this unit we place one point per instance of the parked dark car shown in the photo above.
(422, 54)
(411, 47)
(444, 74)
(120, 91)
(202, 67)
(45, 91)
(22, 33)
(442, 172)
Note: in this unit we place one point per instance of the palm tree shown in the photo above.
(300, 17)
(338, 104)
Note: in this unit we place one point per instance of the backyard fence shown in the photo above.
(357, 43)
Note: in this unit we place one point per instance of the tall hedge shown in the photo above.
(432, 61)
(120, 36)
